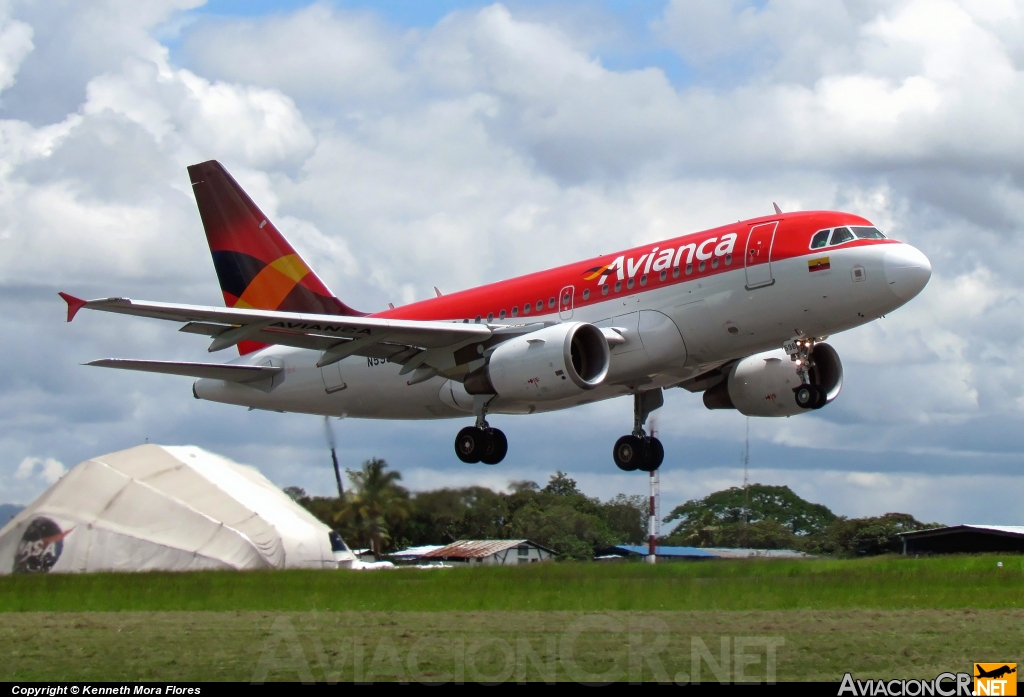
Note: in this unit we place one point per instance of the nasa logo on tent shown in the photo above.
(39, 548)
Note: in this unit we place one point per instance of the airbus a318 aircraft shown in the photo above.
(738, 313)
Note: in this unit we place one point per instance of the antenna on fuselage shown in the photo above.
(778, 211)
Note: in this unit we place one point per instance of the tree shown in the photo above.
(445, 515)
(770, 503)
(850, 537)
(574, 535)
(295, 493)
(761, 534)
(561, 484)
(375, 503)
(626, 518)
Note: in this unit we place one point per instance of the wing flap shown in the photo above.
(425, 334)
(214, 371)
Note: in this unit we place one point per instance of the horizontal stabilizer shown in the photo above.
(213, 371)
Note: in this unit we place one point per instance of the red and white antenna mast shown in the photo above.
(653, 529)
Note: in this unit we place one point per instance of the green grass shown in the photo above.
(811, 644)
(889, 583)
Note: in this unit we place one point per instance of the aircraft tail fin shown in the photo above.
(256, 266)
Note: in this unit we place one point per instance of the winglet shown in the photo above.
(74, 304)
(778, 211)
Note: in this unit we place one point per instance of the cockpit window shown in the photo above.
(840, 235)
(868, 233)
(820, 239)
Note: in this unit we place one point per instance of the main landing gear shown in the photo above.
(807, 394)
(639, 451)
(481, 443)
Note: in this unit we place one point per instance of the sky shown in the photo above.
(402, 145)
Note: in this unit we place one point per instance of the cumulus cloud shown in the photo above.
(499, 142)
(15, 44)
(50, 470)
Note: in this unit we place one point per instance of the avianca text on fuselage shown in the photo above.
(658, 259)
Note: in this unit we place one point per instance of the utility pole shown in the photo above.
(653, 527)
(746, 485)
(329, 432)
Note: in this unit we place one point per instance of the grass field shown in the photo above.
(814, 619)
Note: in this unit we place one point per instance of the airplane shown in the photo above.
(738, 313)
(994, 673)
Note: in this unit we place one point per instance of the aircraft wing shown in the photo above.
(430, 346)
(214, 371)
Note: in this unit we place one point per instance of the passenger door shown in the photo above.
(757, 260)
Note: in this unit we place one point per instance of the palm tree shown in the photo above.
(374, 502)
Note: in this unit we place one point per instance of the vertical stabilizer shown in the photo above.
(256, 266)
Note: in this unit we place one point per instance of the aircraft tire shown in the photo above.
(655, 455)
(497, 447)
(806, 396)
(470, 444)
(629, 453)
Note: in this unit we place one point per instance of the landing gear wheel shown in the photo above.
(807, 396)
(630, 453)
(471, 444)
(496, 447)
(655, 455)
(822, 399)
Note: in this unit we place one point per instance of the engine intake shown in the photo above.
(556, 362)
(763, 384)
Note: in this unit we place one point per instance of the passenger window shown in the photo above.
(526, 309)
(515, 311)
(540, 305)
(551, 302)
(820, 239)
(868, 233)
(840, 235)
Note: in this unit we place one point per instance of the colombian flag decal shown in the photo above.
(819, 264)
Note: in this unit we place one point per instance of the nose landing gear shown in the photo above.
(639, 451)
(481, 443)
(807, 394)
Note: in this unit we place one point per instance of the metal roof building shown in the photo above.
(964, 539)
(490, 552)
(411, 554)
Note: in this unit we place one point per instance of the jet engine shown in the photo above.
(765, 384)
(556, 362)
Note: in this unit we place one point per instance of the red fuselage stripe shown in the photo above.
(644, 263)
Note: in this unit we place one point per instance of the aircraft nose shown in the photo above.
(907, 270)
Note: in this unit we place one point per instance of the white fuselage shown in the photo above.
(671, 333)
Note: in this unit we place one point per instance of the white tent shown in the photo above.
(156, 507)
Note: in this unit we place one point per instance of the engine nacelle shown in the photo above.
(556, 362)
(763, 384)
